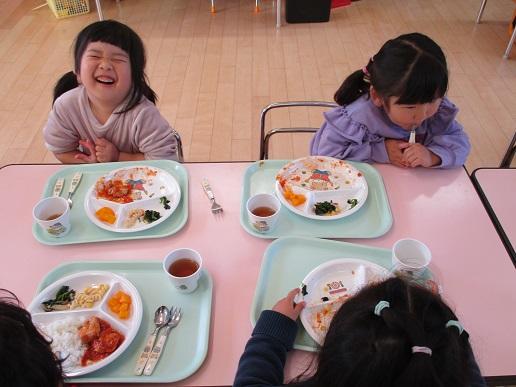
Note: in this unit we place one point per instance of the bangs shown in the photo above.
(427, 81)
(113, 35)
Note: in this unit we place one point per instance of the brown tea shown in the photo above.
(183, 267)
(263, 211)
(53, 216)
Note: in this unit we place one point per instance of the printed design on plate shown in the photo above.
(321, 187)
(330, 285)
(126, 185)
(132, 199)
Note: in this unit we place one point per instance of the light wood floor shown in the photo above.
(214, 73)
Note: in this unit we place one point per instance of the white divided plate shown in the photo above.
(150, 183)
(320, 179)
(78, 282)
(327, 286)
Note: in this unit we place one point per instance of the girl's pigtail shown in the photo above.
(353, 87)
(66, 83)
(420, 370)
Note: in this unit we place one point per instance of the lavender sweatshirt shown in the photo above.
(140, 130)
(357, 132)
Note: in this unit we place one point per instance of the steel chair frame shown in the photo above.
(265, 137)
(509, 154)
(513, 36)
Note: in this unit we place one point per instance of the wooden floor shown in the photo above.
(215, 72)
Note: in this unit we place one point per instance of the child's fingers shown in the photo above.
(299, 307)
(292, 294)
(82, 157)
(87, 144)
(404, 145)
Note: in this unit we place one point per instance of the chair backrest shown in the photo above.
(509, 154)
(265, 137)
(180, 156)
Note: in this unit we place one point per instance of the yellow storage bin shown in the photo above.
(67, 8)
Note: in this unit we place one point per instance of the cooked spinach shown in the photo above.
(163, 200)
(353, 202)
(323, 208)
(62, 300)
(151, 216)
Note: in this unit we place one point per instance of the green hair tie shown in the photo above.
(456, 324)
(380, 306)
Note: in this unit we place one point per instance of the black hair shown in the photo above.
(362, 349)
(411, 67)
(27, 359)
(119, 35)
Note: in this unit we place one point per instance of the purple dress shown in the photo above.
(357, 132)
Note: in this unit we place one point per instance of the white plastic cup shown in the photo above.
(261, 223)
(410, 256)
(53, 215)
(183, 283)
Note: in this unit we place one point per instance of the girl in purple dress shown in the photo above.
(394, 110)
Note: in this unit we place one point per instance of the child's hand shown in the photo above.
(415, 155)
(106, 151)
(395, 152)
(83, 156)
(286, 306)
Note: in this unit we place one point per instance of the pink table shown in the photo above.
(497, 189)
(439, 207)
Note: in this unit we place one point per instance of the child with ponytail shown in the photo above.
(394, 110)
(105, 110)
(390, 334)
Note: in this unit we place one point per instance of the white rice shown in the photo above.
(65, 340)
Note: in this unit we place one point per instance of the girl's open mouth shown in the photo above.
(105, 80)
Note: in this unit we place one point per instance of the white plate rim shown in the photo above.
(136, 303)
(95, 221)
(297, 211)
(304, 315)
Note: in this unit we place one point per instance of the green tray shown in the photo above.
(288, 260)
(372, 220)
(84, 231)
(187, 344)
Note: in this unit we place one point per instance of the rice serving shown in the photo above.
(66, 342)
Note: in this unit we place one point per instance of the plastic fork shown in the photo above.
(157, 350)
(216, 208)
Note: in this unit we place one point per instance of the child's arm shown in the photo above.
(264, 357)
(446, 137)
(77, 157)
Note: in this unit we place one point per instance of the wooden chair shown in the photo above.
(509, 154)
(513, 36)
(265, 137)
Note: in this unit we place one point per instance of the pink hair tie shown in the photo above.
(366, 71)
(425, 350)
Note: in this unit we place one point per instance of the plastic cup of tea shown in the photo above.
(263, 211)
(410, 256)
(184, 268)
(53, 216)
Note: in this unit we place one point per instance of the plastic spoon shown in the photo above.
(161, 318)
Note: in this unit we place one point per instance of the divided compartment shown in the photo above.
(104, 307)
(329, 285)
(76, 283)
(358, 191)
(79, 281)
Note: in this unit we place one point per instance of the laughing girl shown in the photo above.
(105, 110)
